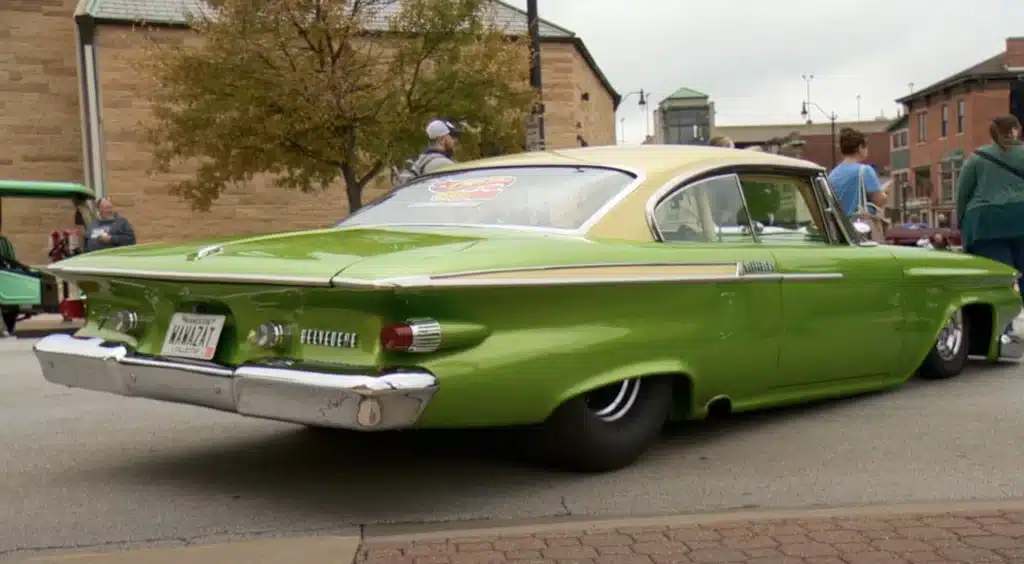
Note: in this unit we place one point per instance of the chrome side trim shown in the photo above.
(581, 281)
(176, 276)
(505, 227)
(347, 400)
(452, 280)
(578, 266)
(814, 276)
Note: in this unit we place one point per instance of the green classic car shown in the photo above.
(584, 297)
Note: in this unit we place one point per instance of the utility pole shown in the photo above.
(835, 144)
(535, 131)
(858, 107)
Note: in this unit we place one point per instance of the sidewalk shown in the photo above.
(946, 533)
(871, 535)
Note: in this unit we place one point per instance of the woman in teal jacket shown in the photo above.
(990, 196)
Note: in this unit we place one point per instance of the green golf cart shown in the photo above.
(26, 291)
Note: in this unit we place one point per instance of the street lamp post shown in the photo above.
(808, 78)
(644, 96)
(535, 137)
(832, 117)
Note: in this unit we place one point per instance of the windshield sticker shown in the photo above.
(469, 190)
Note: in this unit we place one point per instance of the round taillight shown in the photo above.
(269, 335)
(124, 321)
(415, 335)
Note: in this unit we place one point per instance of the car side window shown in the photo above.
(785, 209)
(707, 211)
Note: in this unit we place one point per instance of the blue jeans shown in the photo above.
(1007, 251)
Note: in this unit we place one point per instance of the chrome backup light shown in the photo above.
(270, 335)
(124, 321)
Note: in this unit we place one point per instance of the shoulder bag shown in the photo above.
(863, 213)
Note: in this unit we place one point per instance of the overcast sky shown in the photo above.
(749, 55)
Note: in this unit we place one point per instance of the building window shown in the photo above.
(899, 139)
(949, 174)
(944, 124)
(922, 127)
(922, 183)
(961, 110)
(686, 126)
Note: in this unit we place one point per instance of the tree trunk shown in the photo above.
(353, 189)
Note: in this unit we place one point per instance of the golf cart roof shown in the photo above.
(51, 190)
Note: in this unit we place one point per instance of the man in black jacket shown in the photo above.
(109, 230)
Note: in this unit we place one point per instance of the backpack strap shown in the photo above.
(1000, 164)
(862, 195)
(422, 162)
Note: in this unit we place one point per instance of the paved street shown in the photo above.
(84, 470)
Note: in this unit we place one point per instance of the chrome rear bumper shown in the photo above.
(347, 401)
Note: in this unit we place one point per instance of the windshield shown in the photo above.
(556, 197)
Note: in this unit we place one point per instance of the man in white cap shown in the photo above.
(443, 135)
(438, 154)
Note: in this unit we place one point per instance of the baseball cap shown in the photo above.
(439, 128)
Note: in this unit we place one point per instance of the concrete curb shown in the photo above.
(341, 549)
(469, 529)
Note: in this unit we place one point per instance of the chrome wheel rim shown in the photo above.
(614, 401)
(951, 338)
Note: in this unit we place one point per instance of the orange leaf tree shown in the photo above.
(307, 92)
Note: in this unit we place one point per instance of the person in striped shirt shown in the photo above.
(6, 249)
(8, 316)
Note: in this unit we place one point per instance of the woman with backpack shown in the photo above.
(990, 196)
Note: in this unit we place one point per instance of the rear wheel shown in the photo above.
(949, 355)
(608, 428)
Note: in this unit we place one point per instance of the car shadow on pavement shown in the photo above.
(419, 475)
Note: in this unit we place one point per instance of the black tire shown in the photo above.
(590, 434)
(949, 354)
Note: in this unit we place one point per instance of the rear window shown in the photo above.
(548, 197)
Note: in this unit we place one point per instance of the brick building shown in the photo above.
(71, 102)
(686, 117)
(910, 203)
(948, 120)
(814, 141)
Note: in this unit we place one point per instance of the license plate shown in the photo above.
(193, 335)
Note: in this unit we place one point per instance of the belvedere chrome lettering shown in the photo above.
(334, 339)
